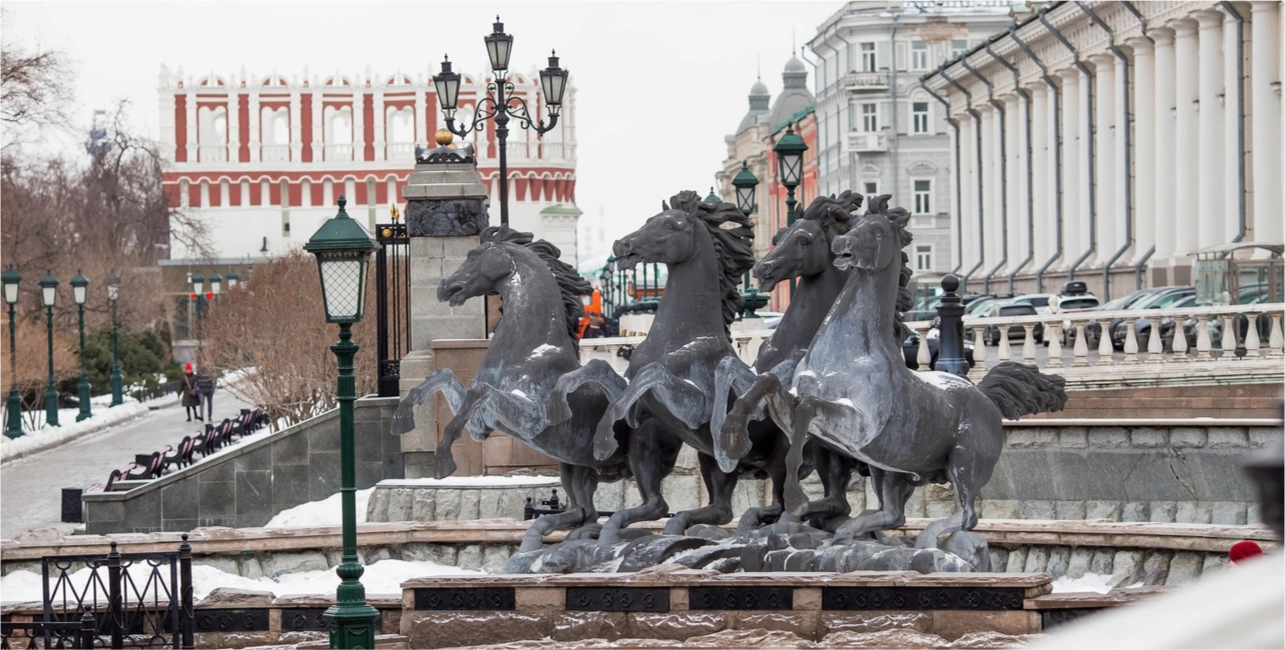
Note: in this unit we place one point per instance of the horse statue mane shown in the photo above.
(570, 283)
(905, 298)
(832, 213)
(734, 246)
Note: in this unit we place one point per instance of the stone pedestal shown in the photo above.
(446, 211)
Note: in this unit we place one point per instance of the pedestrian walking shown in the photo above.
(191, 400)
(205, 385)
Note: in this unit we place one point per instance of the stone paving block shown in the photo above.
(1070, 509)
(463, 629)
(439, 553)
(470, 504)
(1263, 436)
(1102, 510)
(1126, 568)
(1059, 558)
(1000, 509)
(578, 626)
(1073, 437)
(1078, 564)
(424, 505)
(874, 621)
(1147, 437)
(999, 557)
(939, 508)
(915, 505)
(1108, 437)
(1163, 511)
(1155, 569)
(1187, 437)
(469, 557)
(1017, 560)
(1213, 563)
(1136, 511)
(1037, 559)
(678, 626)
(1102, 561)
(1228, 513)
(1184, 568)
(1194, 512)
(1226, 438)
(1031, 438)
(1035, 509)
(488, 504)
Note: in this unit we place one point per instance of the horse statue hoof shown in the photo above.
(443, 465)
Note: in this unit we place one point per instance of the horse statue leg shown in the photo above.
(731, 375)
(653, 450)
(681, 399)
(829, 416)
(893, 489)
(597, 371)
(720, 486)
(832, 510)
(576, 514)
(754, 518)
(443, 380)
(517, 413)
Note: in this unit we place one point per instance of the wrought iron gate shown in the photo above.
(392, 302)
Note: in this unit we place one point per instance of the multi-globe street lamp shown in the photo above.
(13, 405)
(49, 292)
(500, 104)
(113, 295)
(343, 248)
(79, 291)
(789, 157)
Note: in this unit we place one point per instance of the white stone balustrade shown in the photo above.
(1221, 349)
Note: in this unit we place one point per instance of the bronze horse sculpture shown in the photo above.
(853, 391)
(671, 373)
(801, 250)
(533, 346)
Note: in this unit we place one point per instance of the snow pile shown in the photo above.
(383, 577)
(325, 512)
(1094, 582)
(41, 439)
(473, 481)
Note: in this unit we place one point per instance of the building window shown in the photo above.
(958, 47)
(869, 118)
(923, 197)
(868, 63)
(923, 257)
(919, 117)
(919, 55)
(872, 188)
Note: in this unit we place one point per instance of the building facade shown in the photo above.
(1108, 141)
(758, 132)
(880, 133)
(262, 159)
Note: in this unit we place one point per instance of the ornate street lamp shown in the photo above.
(198, 288)
(745, 183)
(789, 157)
(79, 289)
(233, 279)
(13, 405)
(216, 284)
(712, 198)
(49, 292)
(113, 295)
(499, 104)
(343, 249)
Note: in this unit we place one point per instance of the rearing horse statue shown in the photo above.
(532, 348)
(853, 391)
(671, 373)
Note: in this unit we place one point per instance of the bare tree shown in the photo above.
(35, 88)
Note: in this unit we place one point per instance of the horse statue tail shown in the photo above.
(1018, 390)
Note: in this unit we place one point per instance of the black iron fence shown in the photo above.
(392, 303)
(130, 600)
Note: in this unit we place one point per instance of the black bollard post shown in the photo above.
(950, 314)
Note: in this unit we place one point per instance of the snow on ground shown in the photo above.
(41, 439)
(325, 512)
(382, 577)
(1094, 582)
(473, 481)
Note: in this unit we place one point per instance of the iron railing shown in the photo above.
(392, 304)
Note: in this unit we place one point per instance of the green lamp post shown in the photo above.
(343, 247)
(198, 290)
(49, 291)
(79, 289)
(712, 198)
(13, 405)
(216, 284)
(789, 156)
(745, 183)
(113, 295)
(233, 279)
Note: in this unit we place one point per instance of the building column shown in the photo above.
(1074, 200)
(1144, 136)
(989, 189)
(967, 193)
(255, 129)
(1186, 147)
(190, 109)
(955, 198)
(1045, 213)
(1089, 213)
(233, 131)
(358, 128)
(1052, 171)
(318, 144)
(1266, 121)
(1015, 162)
(296, 128)
(1234, 73)
(1165, 135)
(381, 135)
(422, 136)
(1213, 209)
(1108, 186)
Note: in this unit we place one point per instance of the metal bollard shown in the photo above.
(950, 312)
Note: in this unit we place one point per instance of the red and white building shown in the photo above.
(262, 159)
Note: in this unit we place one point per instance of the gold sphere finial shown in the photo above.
(444, 137)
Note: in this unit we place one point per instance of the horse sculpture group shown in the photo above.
(829, 390)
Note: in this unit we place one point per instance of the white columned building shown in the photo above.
(1170, 126)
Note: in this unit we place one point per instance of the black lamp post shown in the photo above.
(789, 156)
(79, 289)
(198, 289)
(745, 183)
(113, 295)
(499, 104)
(216, 285)
(343, 249)
(13, 405)
(233, 279)
(49, 291)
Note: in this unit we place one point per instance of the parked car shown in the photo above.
(910, 347)
(1093, 331)
(979, 305)
(1160, 298)
(1006, 308)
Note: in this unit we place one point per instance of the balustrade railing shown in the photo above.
(213, 153)
(400, 151)
(1191, 341)
(275, 152)
(338, 152)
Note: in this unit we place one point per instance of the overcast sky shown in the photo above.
(659, 83)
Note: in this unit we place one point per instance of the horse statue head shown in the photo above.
(498, 258)
(803, 249)
(677, 235)
(875, 240)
